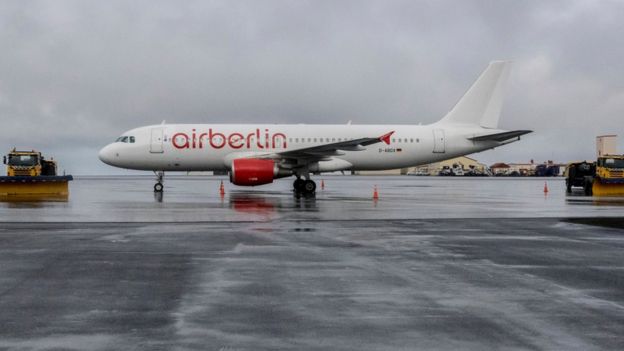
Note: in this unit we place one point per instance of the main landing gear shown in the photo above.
(158, 187)
(304, 186)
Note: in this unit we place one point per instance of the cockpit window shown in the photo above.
(125, 139)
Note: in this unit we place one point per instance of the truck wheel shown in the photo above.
(588, 188)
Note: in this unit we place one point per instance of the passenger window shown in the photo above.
(333, 140)
(411, 140)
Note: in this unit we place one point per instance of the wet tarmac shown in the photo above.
(435, 263)
(131, 199)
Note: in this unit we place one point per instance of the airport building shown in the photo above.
(463, 163)
(546, 169)
(500, 168)
(522, 169)
(469, 166)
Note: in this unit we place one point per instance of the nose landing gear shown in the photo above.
(159, 187)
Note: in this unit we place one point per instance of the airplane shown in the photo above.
(257, 154)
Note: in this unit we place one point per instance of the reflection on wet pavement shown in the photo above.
(130, 199)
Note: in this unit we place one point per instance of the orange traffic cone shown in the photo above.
(375, 193)
(221, 189)
(322, 184)
(545, 188)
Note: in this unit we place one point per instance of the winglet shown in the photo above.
(386, 137)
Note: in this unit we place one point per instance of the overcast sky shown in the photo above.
(75, 74)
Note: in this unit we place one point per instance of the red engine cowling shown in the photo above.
(252, 171)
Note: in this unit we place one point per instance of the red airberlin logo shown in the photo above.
(216, 140)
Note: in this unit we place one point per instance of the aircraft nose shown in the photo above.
(106, 154)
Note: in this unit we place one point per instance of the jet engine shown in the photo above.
(253, 171)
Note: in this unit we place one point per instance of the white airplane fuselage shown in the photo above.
(255, 154)
(212, 147)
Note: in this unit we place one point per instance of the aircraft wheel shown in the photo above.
(158, 187)
(309, 186)
(298, 185)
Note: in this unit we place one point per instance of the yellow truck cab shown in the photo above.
(609, 178)
(610, 167)
(28, 164)
(23, 163)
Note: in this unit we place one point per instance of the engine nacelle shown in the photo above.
(253, 171)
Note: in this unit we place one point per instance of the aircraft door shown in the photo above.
(438, 141)
(156, 143)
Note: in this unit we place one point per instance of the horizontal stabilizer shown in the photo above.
(501, 136)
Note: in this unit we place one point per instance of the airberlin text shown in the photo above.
(217, 140)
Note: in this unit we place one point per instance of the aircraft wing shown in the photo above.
(501, 136)
(332, 149)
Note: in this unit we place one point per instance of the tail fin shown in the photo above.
(482, 103)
